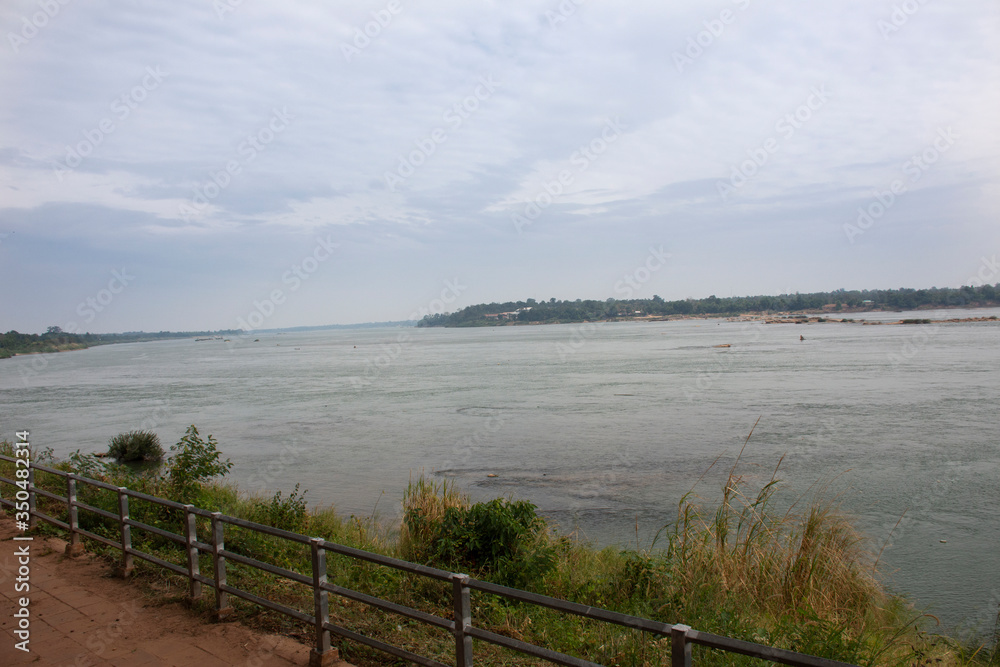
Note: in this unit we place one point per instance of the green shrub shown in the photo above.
(288, 513)
(501, 540)
(196, 461)
(135, 446)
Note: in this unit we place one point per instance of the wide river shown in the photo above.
(603, 426)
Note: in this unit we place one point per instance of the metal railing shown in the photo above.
(682, 637)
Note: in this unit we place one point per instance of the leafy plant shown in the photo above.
(135, 446)
(196, 461)
(87, 465)
(288, 513)
(502, 540)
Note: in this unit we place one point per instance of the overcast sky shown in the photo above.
(183, 165)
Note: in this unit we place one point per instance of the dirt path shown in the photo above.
(82, 616)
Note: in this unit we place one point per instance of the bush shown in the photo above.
(196, 461)
(501, 540)
(289, 513)
(135, 446)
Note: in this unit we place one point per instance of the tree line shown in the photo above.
(55, 339)
(583, 310)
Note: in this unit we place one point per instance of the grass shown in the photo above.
(791, 573)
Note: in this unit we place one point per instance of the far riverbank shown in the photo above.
(783, 317)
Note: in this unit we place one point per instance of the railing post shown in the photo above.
(463, 619)
(680, 649)
(126, 533)
(190, 537)
(321, 655)
(31, 497)
(74, 548)
(222, 608)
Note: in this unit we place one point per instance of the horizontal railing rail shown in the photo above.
(682, 637)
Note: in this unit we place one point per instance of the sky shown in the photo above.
(222, 164)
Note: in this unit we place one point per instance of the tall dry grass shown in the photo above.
(777, 561)
(424, 505)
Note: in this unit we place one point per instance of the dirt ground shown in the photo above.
(81, 615)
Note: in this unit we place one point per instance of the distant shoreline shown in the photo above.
(779, 317)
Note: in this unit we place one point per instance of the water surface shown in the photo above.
(603, 426)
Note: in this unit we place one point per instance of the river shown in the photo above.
(603, 426)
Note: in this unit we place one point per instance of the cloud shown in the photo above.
(388, 134)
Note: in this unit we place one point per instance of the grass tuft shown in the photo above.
(135, 446)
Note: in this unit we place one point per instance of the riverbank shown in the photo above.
(835, 304)
(813, 318)
(804, 579)
(48, 349)
(14, 344)
(763, 317)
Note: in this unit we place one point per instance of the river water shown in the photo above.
(603, 426)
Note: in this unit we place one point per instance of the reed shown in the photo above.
(425, 503)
